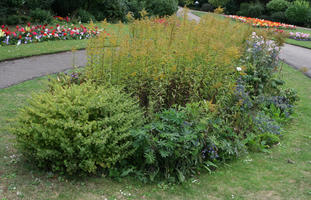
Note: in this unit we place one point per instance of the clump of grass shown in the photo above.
(170, 61)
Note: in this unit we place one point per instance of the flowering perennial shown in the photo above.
(40, 33)
(261, 23)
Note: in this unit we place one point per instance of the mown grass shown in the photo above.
(26, 50)
(306, 44)
(284, 173)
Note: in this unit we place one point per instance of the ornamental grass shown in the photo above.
(170, 61)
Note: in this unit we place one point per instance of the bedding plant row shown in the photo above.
(41, 33)
(163, 102)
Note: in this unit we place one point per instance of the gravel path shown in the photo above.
(298, 57)
(16, 71)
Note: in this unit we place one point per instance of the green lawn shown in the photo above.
(254, 176)
(13, 51)
(306, 44)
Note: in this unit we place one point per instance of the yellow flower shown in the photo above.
(1, 33)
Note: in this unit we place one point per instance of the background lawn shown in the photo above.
(284, 173)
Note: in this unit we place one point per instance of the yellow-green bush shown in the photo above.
(76, 129)
(170, 61)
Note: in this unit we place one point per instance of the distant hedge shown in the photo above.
(41, 11)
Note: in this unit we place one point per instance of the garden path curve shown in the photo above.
(19, 70)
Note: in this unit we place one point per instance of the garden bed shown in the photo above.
(155, 108)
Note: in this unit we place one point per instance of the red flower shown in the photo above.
(20, 37)
(28, 24)
(30, 35)
(2, 26)
(42, 32)
(17, 27)
(65, 34)
(51, 27)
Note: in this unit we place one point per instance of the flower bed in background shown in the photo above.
(41, 33)
(261, 23)
(300, 36)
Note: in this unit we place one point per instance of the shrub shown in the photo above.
(136, 6)
(78, 129)
(158, 68)
(219, 10)
(161, 7)
(251, 9)
(112, 10)
(299, 12)
(170, 146)
(261, 63)
(40, 16)
(84, 16)
(278, 5)
(255, 9)
(13, 20)
(232, 7)
(279, 17)
(206, 7)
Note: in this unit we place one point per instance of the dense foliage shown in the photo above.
(14, 12)
(79, 128)
(201, 101)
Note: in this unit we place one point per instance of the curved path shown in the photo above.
(16, 71)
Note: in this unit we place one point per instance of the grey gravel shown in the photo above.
(20, 70)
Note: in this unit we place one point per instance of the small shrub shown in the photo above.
(161, 7)
(278, 5)
(78, 129)
(170, 146)
(40, 16)
(219, 10)
(261, 63)
(299, 12)
(84, 16)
